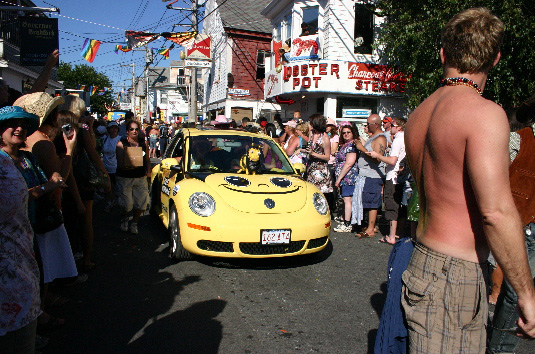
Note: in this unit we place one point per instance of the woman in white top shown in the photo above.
(292, 143)
(109, 158)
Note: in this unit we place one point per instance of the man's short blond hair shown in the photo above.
(472, 40)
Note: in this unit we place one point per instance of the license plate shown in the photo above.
(273, 237)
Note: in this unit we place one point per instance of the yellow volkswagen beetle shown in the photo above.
(231, 193)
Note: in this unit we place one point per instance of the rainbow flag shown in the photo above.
(90, 49)
(164, 52)
(122, 48)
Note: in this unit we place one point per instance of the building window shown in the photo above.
(181, 80)
(363, 29)
(310, 20)
(288, 22)
(278, 33)
(163, 98)
(261, 56)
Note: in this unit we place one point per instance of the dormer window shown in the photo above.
(309, 25)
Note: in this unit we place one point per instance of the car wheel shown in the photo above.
(176, 250)
(155, 199)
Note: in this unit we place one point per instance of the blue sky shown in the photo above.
(106, 21)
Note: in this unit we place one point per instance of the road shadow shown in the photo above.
(377, 301)
(268, 263)
(126, 291)
(193, 330)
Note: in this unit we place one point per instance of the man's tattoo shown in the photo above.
(381, 149)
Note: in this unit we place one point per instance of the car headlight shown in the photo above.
(202, 204)
(320, 203)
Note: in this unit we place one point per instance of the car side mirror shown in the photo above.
(176, 168)
(300, 168)
(172, 164)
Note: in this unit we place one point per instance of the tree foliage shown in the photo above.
(82, 74)
(411, 38)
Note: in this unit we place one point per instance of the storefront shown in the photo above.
(341, 90)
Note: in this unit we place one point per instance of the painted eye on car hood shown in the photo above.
(249, 193)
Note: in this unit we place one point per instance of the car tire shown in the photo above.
(176, 250)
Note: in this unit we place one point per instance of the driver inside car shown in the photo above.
(200, 149)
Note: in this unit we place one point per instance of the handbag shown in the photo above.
(87, 174)
(48, 217)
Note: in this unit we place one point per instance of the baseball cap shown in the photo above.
(387, 120)
(292, 123)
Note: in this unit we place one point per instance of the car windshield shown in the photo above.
(235, 154)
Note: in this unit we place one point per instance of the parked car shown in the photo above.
(231, 193)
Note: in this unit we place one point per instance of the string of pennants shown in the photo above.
(135, 39)
(93, 89)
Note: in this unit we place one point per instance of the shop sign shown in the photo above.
(38, 38)
(356, 113)
(238, 92)
(305, 47)
(201, 48)
(335, 76)
(197, 63)
(379, 77)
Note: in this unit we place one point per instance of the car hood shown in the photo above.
(264, 194)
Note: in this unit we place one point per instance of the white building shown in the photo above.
(330, 66)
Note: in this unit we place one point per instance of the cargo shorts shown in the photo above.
(445, 303)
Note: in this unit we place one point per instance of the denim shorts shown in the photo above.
(371, 194)
(347, 191)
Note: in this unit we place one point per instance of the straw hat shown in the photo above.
(39, 103)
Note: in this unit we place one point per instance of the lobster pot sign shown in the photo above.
(305, 47)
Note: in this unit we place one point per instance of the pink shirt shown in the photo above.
(334, 139)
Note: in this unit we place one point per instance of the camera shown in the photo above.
(67, 129)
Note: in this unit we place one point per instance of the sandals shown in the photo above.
(364, 234)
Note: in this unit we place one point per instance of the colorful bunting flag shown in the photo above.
(137, 39)
(184, 39)
(90, 49)
(164, 52)
(122, 48)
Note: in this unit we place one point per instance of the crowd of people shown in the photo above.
(433, 172)
(55, 160)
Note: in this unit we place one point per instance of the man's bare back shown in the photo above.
(442, 139)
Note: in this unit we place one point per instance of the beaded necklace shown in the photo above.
(455, 81)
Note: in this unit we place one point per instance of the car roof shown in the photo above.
(222, 132)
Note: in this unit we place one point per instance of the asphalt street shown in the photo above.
(137, 300)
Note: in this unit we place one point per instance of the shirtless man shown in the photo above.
(465, 199)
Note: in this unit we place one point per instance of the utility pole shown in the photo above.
(192, 111)
(133, 93)
(148, 60)
(193, 70)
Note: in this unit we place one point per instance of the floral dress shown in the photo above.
(318, 172)
(19, 274)
(351, 176)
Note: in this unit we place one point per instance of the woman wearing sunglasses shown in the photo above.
(21, 183)
(132, 178)
(346, 172)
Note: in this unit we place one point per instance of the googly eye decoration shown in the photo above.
(237, 181)
(281, 182)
